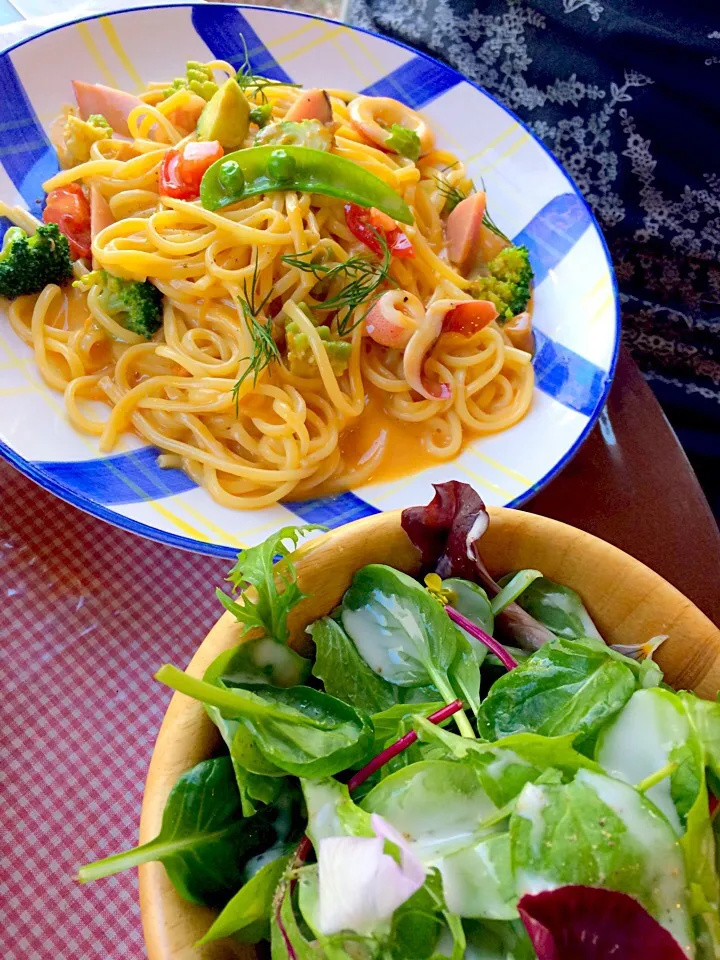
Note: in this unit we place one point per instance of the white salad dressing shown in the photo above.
(478, 882)
(531, 803)
(663, 859)
(639, 741)
(383, 644)
(437, 805)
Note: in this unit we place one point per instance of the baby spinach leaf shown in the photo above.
(497, 940)
(258, 781)
(276, 588)
(204, 842)
(286, 935)
(343, 671)
(416, 926)
(567, 686)
(404, 635)
(651, 731)
(261, 661)
(387, 723)
(438, 805)
(557, 607)
(464, 673)
(705, 718)
(600, 832)
(478, 880)
(505, 766)
(400, 631)
(472, 602)
(247, 916)
(299, 730)
(331, 812)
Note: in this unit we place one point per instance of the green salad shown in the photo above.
(465, 769)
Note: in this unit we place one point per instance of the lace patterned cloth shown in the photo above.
(626, 93)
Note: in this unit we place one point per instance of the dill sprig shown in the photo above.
(253, 82)
(264, 348)
(453, 196)
(363, 275)
(490, 223)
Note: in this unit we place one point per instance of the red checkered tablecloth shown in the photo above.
(87, 614)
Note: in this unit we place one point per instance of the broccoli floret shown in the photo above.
(137, 306)
(300, 355)
(198, 78)
(80, 135)
(508, 283)
(27, 264)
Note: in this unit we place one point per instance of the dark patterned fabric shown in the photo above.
(626, 93)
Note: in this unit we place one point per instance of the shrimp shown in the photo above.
(394, 318)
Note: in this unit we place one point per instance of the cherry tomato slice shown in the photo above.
(361, 224)
(69, 208)
(182, 170)
(469, 316)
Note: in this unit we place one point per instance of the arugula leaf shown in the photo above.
(204, 842)
(299, 730)
(600, 832)
(276, 589)
(404, 141)
(567, 686)
(404, 635)
(557, 607)
(247, 916)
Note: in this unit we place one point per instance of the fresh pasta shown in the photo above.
(332, 304)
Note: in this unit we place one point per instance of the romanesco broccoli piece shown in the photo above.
(137, 306)
(80, 135)
(27, 264)
(508, 283)
(198, 78)
(301, 358)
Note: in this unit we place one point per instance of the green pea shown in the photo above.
(231, 177)
(281, 166)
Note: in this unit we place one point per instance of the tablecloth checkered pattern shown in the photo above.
(87, 614)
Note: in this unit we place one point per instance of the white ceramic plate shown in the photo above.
(531, 198)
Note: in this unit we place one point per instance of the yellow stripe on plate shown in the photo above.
(500, 467)
(114, 40)
(298, 32)
(13, 391)
(513, 148)
(49, 399)
(483, 481)
(94, 51)
(493, 143)
(325, 35)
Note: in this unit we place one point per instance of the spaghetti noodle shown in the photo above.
(306, 416)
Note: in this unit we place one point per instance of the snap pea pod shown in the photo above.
(267, 169)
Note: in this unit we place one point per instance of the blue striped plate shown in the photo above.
(576, 304)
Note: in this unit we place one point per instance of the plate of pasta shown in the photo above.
(279, 267)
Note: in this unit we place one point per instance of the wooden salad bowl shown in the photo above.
(628, 602)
